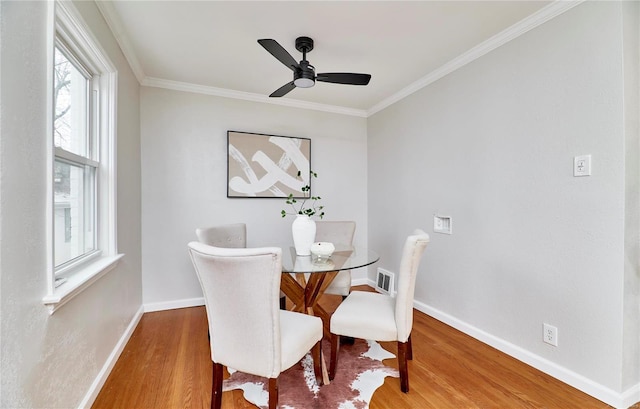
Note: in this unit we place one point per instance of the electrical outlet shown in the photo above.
(550, 334)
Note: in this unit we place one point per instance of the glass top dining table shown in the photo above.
(343, 258)
(304, 290)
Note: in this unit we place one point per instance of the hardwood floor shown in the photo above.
(167, 364)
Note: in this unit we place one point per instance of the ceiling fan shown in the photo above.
(304, 74)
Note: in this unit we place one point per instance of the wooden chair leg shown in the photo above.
(409, 349)
(335, 346)
(402, 366)
(273, 393)
(216, 386)
(316, 354)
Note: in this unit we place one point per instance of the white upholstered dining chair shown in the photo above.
(248, 330)
(380, 317)
(230, 236)
(227, 235)
(337, 232)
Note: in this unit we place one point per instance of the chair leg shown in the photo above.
(409, 349)
(216, 387)
(335, 346)
(316, 354)
(283, 302)
(402, 365)
(273, 393)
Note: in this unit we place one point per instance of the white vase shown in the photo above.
(304, 233)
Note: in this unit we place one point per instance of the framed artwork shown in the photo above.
(267, 165)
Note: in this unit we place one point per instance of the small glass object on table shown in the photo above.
(321, 252)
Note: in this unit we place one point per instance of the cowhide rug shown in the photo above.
(360, 372)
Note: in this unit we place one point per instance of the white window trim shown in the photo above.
(64, 20)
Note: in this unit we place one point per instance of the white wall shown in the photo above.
(52, 360)
(631, 334)
(492, 145)
(184, 174)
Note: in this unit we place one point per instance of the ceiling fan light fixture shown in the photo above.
(304, 74)
(304, 82)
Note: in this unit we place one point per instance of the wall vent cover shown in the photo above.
(384, 281)
(442, 224)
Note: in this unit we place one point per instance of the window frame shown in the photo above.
(90, 159)
(66, 27)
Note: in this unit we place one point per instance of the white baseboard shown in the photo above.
(631, 396)
(561, 373)
(196, 302)
(360, 281)
(99, 381)
(173, 305)
(591, 388)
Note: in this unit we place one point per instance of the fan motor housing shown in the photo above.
(307, 71)
(304, 77)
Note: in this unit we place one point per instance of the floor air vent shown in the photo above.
(384, 281)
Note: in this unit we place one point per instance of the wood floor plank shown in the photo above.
(167, 364)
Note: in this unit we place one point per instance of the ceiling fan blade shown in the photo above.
(344, 78)
(283, 90)
(279, 52)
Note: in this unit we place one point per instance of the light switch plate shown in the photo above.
(582, 165)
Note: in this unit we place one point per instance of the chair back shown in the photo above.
(241, 289)
(414, 246)
(228, 235)
(335, 231)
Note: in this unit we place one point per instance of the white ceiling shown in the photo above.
(211, 46)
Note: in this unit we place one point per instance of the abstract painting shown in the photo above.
(267, 165)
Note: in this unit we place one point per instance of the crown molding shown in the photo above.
(540, 17)
(248, 96)
(115, 25)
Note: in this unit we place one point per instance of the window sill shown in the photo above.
(80, 281)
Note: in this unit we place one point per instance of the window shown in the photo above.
(82, 159)
(75, 164)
